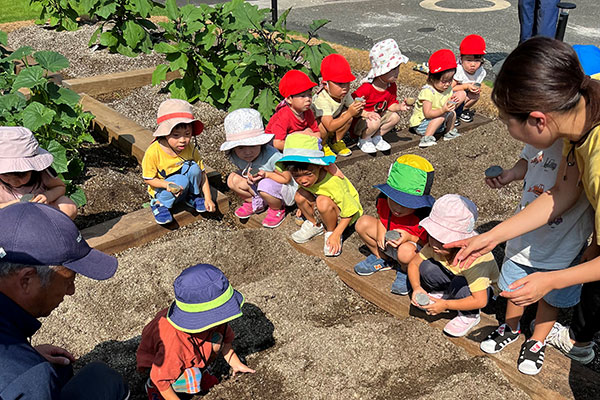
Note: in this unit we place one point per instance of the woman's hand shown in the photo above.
(471, 249)
(530, 288)
(54, 354)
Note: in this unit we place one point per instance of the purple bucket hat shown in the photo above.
(452, 218)
(37, 234)
(20, 151)
(203, 299)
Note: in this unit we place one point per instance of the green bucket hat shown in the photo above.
(409, 182)
(308, 149)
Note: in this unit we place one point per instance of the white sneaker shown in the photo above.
(427, 141)
(306, 232)
(559, 338)
(380, 144)
(452, 134)
(326, 250)
(367, 146)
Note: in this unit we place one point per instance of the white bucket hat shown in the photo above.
(244, 127)
(384, 57)
(20, 151)
(172, 112)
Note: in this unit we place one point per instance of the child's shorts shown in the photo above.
(559, 298)
(284, 192)
(360, 124)
(422, 127)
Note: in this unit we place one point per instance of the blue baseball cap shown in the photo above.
(204, 299)
(37, 234)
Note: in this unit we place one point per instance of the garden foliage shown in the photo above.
(52, 112)
(231, 56)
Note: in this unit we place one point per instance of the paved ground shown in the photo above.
(423, 26)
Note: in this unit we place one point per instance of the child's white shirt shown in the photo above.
(461, 76)
(554, 245)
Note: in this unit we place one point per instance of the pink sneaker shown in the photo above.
(461, 324)
(274, 218)
(245, 211)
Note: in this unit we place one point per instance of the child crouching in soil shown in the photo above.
(172, 167)
(395, 235)
(333, 196)
(452, 218)
(256, 182)
(181, 342)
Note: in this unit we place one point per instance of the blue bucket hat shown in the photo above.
(409, 182)
(203, 299)
(299, 147)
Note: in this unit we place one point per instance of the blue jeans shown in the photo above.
(537, 18)
(189, 177)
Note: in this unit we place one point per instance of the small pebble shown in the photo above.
(175, 188)
(493, 171)
(423, 299)
(26, 198)
(410, 101)
(391, 236)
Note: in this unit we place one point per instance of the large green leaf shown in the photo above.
(241, 97)
(177, 61)
(165, 48)
(61, 95)
(159, 74)
(78, 196)
(108, 39)
(318, 24)
(51, 60)
(133, 33)
(3, 38)
(143, 7)
(59, 153)
(172, 9)
(266, 101)
(29, 78)
(19, 53)
(36, 115)
(12, 101)
(107, 10)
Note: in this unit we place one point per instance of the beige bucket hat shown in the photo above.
(172, 112)
(20, 151)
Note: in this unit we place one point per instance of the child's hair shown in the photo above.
(479, 57)
(296, 166)
(544, 74)
(35, 180)
(436, 77)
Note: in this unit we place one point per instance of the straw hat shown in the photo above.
(172, 112)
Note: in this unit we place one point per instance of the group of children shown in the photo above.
(291, 161)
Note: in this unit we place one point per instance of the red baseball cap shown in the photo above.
(294, 82)
(336, 68)
(442, 60)
(472, 44)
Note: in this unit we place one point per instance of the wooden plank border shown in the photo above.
(102, 84)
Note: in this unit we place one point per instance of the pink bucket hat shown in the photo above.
(452, 218)
(244, 127)
(384, 57)
(175, 111)
(20, 151)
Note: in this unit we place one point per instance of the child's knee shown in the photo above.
(67, 206)
(406, 252)
(235, 180)
(461, 95)
(325, 204)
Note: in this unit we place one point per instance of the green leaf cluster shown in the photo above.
(231, 56)
(52, 112)
(59, 14)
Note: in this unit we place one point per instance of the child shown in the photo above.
(452, 218)
(333, 106)
(434, 110)
(550, 247)
(172, 167)
(469, 76)
(256, 181)
(25, 171)
(562, 103)
(403, 202)
(293, 114)
(182, 341)
(379, 92)
(334, 197)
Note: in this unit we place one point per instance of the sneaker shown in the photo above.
(306, 232)
(244, 211)
(498, 339)
(162, 215)
(531, 358)
(196, 202)
(461, 324)
(400, 285)
(452, 134)
(370, 265)
(427, 141)
(380, 144)
(340, 148)
(457, 122)
(326, 250)
(367, 146)
(466, 116)
(559, 338)
(152, 391)
(274, 218)
(327, 150)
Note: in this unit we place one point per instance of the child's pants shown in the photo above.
(268, 186)
(95, 381)
(434, 277)
(189, 177)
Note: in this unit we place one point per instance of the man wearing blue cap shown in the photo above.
(41, 251)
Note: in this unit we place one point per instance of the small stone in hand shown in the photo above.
(423, 299)
(175, 188)
(392, 236)
(26, 198)
(493, 171)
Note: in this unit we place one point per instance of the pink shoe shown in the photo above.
(461, 324)
(245, 211)
(274, 218)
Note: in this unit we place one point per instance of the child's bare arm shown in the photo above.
(414, 276)
(169, 394)
(279, 177)
(56, 188)
(335, 240)
(475, 301)
(2, 205)
(234, 361)
(430, 113)
(380, 234)
(278, 144)
(208, 201)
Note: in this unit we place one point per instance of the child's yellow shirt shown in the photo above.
(158, 164)
(343, 194)
(430, 94)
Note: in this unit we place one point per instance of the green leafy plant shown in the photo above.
(52, 112)
(231, 56)
(60, 14)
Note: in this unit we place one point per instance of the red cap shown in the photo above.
(336, 68)
(442, 60)
(294, 82)
(472, 44)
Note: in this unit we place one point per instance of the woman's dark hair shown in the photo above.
(544, 74)
(431, 78)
